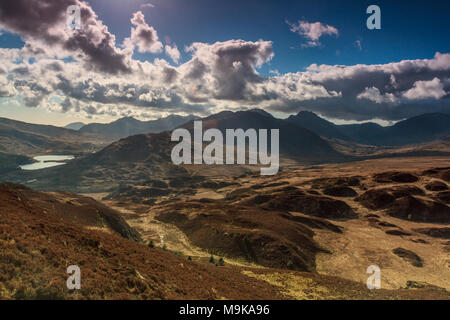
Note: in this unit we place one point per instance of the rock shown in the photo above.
(387, 224)
(421, 285)
(398, 233)
(395, 176)
(314, 205)
(443, 196)
(419, 241)
(436, 185)
(239, 193)
(157, 184)
(377, 199)
(214, 184)
(335, 182)
(340, 191)
(445, 175)
(420, 210)
(443, 233)
(441, 173)
(409, 256)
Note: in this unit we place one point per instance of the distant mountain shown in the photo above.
(75, 125)
(365, 133)
(424, 128)
(18, 137)
(416, 130)
(296, 141)
(313, 122)
(262, 112)
(138, 158)
(129, 126)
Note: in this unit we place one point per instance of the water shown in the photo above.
(46, 162)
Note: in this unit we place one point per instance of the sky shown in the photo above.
(149, 59)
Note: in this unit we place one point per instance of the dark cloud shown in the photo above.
(391, 91)
(218, 75)
(230, 66)
(143, 36)
(43, 23)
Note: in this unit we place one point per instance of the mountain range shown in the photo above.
(295, 141)
(416, 130)
(128, 126)
(304, 139)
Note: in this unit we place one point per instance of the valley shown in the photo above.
(309, 232)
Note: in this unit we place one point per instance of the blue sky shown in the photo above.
(410, 30)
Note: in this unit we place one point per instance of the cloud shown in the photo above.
(216, 76)
(227, 70)
(7, 89)
(42, 26)
(173, 52)
(312, 31)
(373, 94)
(389, 91)
(358, 44)
(147, 5)
(143, 36)
(432, 89)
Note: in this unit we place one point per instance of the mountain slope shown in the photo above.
(416, 130)
(18, 137)
(10, 162)
(313, 122)
(295, 141)
(37, 246)
(365, 133)
(136, 159)
(424, 128)
(75, 126)
(128, 126)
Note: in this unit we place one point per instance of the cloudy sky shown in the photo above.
(148, 59)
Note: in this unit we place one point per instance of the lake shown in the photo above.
(46, 162)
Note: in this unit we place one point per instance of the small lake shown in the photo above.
(46, 162)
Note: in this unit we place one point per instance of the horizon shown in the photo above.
(380, 122)
(318, 57)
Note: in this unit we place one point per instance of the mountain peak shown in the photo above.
(75, 126)
(262, 112)
(308, 114)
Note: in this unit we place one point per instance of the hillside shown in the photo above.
(18, 137)
(296, 142)
(11, 162)
(136, 159)
(37, 245)
(313, 122)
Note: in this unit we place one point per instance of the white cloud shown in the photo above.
(147, 5)
(312, 31)
(373, 94)
(143, 36)
(173, 52)
(217, 76)
(433, 89)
